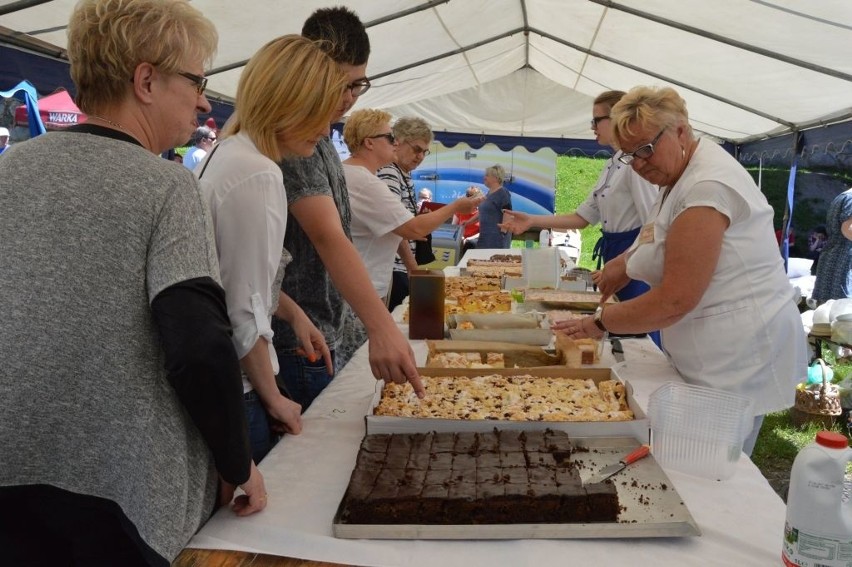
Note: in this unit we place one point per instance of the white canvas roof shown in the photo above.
(747, 68)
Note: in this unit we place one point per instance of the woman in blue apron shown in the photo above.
(621, 202)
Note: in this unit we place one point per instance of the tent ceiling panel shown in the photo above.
(469, 64)
(502, 106)
(766, 24)
(447, 75)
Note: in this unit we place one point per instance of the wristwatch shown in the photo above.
(597, 318)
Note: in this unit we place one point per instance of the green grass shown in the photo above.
(575, 179)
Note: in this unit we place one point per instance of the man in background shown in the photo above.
(4, 140)
(326, 268)
(202, 142)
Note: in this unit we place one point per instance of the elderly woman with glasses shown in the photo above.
(718, 288)
(621, 201)
(122, 403)
(286, 96)
(413, 136)
(379, 219)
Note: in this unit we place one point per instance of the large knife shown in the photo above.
(610, 470)
(617, 350)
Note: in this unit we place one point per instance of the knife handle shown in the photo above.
(637, 454)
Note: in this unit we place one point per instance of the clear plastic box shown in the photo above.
(699, 430)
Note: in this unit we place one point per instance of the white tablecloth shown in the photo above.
(742, 519)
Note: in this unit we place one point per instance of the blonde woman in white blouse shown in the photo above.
(285, 99)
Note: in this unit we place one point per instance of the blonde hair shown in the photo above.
(410, 128)
(496, 171)
(108, 39)
(361, 125)
(290, 87)
(648, 107)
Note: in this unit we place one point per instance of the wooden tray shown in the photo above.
(651, 507)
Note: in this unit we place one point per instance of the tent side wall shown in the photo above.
(823, 147)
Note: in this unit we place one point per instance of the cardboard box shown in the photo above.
(638, 428)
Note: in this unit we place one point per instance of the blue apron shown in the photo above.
(609, 246)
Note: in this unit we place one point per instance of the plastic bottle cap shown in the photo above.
(832, 440)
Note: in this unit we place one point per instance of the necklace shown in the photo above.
(110, 122)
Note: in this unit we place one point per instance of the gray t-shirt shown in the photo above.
(306, 280)
(91, 230)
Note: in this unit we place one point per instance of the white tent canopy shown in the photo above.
(747, 68)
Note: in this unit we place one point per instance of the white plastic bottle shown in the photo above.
(818, 531)
(544, 238)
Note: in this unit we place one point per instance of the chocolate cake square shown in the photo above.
(441, 461)
(603, 501)
(418, 461)
(466, 443)
(375, 443)
(512, 459)
(443, 442)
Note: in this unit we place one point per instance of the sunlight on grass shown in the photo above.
(575, 179)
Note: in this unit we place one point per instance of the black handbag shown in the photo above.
(423, 253)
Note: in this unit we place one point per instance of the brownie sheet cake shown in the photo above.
(501, 477)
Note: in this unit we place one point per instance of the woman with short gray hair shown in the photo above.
(413, 136)
(491, 210)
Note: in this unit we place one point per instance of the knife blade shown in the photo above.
(617, 350)
(609, 470)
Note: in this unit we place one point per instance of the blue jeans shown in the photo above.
(304, 380)
(261, 437)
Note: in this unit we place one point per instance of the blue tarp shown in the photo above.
(26, 92)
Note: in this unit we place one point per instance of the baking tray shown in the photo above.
(544, 299)
(539, 337)
(651, 507)
(638, 428)
(491, 321)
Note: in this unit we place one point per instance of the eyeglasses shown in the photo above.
(200, 82)
(597, 119)
(642, 152)
(389, 137)
(418, 150)
(359, 87)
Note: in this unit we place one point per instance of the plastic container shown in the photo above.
(818, 530)
(426, 304)
(699, 430)
(544, 238)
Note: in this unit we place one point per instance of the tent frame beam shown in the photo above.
(726, 40)
(13, 7)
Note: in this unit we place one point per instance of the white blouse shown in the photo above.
(245, 192)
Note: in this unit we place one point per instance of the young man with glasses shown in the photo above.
(203, 139)
(327, 272)
(413, 136)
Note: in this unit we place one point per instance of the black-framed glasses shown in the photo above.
(389, 137)
(200, 82)
(642, 152)
(359, 87)
(418, 150)
(597, 120)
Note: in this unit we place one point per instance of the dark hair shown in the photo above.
(346, 37)
(201, 133)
